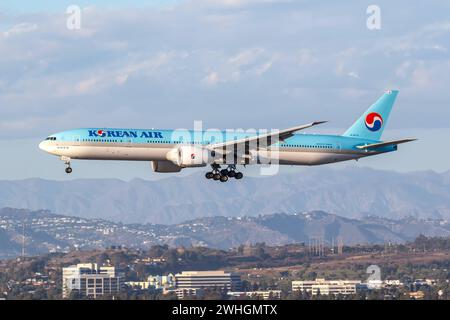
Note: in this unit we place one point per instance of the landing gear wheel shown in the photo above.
(209, 175)
(223, 178)
(224, 172)
(67, 163)
(231, 173)
(216, 176)
(239, 175)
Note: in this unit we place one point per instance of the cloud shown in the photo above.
(353, 74)
(251, 62)
(116, 74)
(421, 78)
(212, 79)
(305, 57)
(263, 68)
(259, 56)
(404, 69)
(245, 57)
(121, 79)
(87, 86)
(19, 29)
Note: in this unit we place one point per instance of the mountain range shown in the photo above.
(42, 232)
(349, 192)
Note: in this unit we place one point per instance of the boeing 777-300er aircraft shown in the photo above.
(171, 151)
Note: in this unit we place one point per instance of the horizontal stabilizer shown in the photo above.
(385, 144)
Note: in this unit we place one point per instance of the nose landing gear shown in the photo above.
(224, 174)
(67, 163)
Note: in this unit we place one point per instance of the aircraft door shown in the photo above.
(127, 142)
(338, 147)
(76, 140)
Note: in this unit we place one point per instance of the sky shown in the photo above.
(230, 63)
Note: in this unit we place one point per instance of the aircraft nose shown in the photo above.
(43, 146)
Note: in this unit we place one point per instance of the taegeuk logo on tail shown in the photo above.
(374, 121)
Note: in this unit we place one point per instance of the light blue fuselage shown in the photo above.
(153, 145)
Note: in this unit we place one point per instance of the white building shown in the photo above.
(162, 282)
(155, 282)
(91, 280)
(326, 287)
(208, 279)
(379, 284)
(264, 295)
(186, 293)
(425, 282)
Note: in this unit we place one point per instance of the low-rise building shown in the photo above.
(38, 280)
(425, 282)
(162, 282)
(264, 295)
(138, 285)
(91, 280)
(186, 293)
(326, 287)
(208, 279)
(380, 284)
(417, 295)
(154, 282)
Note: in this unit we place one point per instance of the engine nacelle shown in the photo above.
(190, 156)
(165, 166)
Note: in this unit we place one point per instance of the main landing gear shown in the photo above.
(223, 174)
(67, 163)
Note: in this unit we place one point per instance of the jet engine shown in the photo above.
(190, 156)
(165, 166)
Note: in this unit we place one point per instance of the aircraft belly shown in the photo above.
(116, 153)
(312, 158)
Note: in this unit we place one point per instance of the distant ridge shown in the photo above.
(351, 192)
(47, 232)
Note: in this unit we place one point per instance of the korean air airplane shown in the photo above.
(174, 150)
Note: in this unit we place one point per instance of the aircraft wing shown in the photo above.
(384, 144)
(264, 140)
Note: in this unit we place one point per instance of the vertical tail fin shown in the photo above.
(372, 123)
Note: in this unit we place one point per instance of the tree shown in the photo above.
(171, 257)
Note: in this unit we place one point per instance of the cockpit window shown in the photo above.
(51, 138)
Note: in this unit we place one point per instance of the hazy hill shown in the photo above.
(46, 232)
(351, 192)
